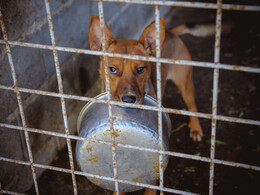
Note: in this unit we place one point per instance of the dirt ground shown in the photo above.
(238, 96)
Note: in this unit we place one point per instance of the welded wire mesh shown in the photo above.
(216, 66)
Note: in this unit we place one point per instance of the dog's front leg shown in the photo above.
(120, 193)
(149, 191)
(182, 77)
(187, 92)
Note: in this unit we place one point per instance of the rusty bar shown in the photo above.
(240, 7)
(122, 181)
(170, 190)
(136, 57)
(212, 155)
(19, 101)
(235, 164)
(20, 162)
(159, 93)
(50, 133)
(112, 132)
(96, 176)
(9, 192)
(175, 154)
(192, 4)
(60, 86)
(168, 110)
(236, 120)
(215, 94)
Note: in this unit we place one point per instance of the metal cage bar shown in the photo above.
(136, 57)
(168, 110)
(19, 101)
(62, 100)
(219, 6)
(176, 154)
(9, 192)
(159, 92)
(112, 131)
(191, 4)
(215, 94)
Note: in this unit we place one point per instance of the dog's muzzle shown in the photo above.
(129, 98)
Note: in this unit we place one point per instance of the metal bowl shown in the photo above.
(136, 127)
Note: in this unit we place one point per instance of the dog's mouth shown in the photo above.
(132, 98)
(129, 98)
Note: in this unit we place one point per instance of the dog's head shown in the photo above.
(127, 77)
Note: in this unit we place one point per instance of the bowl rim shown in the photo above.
(99, 96)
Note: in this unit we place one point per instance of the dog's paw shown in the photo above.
(196, 135)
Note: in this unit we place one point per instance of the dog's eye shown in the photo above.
(113, 70)
(140, 70)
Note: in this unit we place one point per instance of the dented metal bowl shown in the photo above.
(136, 127)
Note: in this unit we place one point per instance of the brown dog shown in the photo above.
(131, 79)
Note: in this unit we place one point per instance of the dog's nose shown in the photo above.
(129, 99)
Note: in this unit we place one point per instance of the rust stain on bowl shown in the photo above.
(149, 156)
(116, 133)
(93, 159)
(155, 172)
(152, 157)
(137, 179)
(155, 175)
(94, 180)
(156, 166)
(128, 170)
(89, 149)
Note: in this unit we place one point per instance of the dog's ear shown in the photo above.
(95, 34)
(148, 38)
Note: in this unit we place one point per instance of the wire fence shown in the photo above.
(216, 66)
